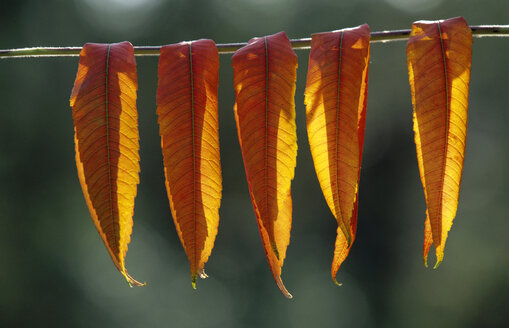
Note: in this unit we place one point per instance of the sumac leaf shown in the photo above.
(103, 105)
(188, 125)
(336, 93)
(264, 81)
(439, 57)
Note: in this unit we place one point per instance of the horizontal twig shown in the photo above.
(478, 31)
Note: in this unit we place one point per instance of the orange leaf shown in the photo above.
(264, 80)
(187, 116)
(103, 105)
(336, 93)
(439, 58)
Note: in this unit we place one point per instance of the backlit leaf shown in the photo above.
(264, 81)
(336, 93)
(439, 57)
(188, 125)
(103, 105)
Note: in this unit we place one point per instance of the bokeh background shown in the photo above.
(55, 271)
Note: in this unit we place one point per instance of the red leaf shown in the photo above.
(439, 59)
(187, 115)
(336, 93)
(103, 105)
(264, 80)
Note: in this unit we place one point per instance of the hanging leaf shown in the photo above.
(103, 105)
(336, 93)
(188, 121)
(264, 80)
(439, 59)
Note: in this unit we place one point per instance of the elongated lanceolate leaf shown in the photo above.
(188, 121)
(336, 93)
(439, 58)
(264, 81)
(103, 105)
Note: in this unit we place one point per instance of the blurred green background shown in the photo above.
(55, 271)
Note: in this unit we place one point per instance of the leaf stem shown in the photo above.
(478, 31)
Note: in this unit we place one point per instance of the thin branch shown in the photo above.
(478, 31)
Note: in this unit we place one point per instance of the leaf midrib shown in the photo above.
(446, 146)
(108, 158)
(194, 155)
(336, 162)
(266, 174)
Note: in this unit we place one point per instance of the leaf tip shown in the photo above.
(194, 276)
(193, 281)
(440, 258)
(282, 288)
(336, 282)
(133, 282)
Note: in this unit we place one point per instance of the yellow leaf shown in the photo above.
(336, 93)
(264, 80)
(439, 55)
(188, 125)
(103, 105)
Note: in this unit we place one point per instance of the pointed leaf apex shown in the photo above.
(282, 288)
(131, 281)
(193, 281)
(336, 282)
(440, 258)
